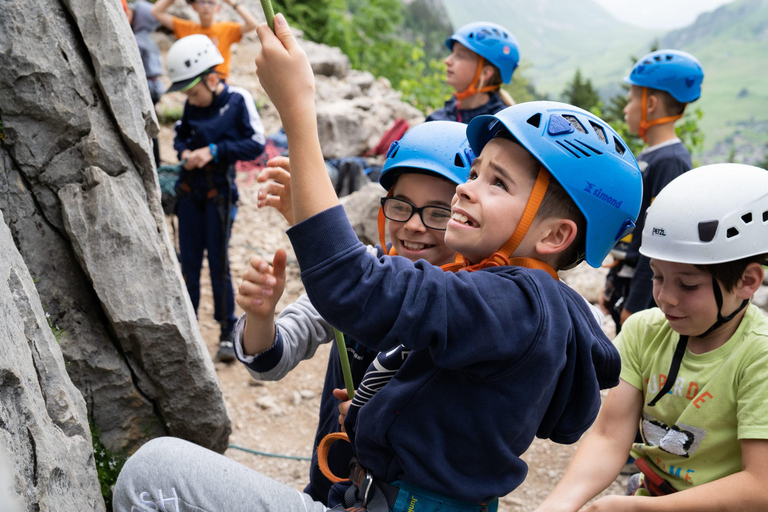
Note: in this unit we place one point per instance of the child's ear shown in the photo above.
(750, 281)
(557, 236)
(487, 73)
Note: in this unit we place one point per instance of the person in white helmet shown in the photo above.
(693, 371)
(220, 126)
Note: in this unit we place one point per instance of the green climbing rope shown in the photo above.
(345, 363)
(269, 13)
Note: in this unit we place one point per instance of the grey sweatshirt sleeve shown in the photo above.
(300, 330)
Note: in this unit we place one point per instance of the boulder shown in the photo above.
(44, 432)
(83, 205)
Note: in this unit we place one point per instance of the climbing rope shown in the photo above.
(267, 454)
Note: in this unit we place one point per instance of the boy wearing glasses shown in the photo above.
(223, 33)
(420, 175)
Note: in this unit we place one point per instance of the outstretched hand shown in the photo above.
(262, 285)
(285, 73)
(277, 193)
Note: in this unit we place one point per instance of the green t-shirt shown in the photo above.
(691, 436)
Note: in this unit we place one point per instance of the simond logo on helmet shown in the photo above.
(598, 193)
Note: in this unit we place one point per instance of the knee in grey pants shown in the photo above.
(171, 475)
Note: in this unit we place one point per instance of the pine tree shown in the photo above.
(581, 93)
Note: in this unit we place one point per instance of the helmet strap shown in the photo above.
(677, 358)
(474, 87)
(645, 124)
(503, 257)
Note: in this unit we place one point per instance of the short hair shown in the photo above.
(557, 203)
(671, 105)
(730, 272)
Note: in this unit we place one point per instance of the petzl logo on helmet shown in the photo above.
(506, 50)
(658, 232)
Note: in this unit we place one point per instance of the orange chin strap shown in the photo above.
(644, 123)
(473, 89)
(503, 257)
(382, 223)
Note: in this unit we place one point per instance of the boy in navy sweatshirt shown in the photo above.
(220, 126)
(498, 349)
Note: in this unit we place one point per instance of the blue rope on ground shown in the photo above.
(266, 454)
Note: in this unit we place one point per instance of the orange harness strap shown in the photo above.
(645, 124)
(322, 455)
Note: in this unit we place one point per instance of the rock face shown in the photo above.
(45, 443)
(80, 195)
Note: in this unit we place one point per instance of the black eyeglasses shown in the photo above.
(400, 210)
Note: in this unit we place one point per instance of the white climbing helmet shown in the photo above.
(712, 214)
(188, 59)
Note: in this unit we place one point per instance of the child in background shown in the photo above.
(420, 173)
(500, 351)
(693, 369)
(662, 84)
(483, 55)
(223, 33)
(220, 125)
(143, 24)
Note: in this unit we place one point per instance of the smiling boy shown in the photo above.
(499, 351)
(693, 370)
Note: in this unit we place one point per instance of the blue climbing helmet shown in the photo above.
(438, 148)
(492, 42)
(586, 157)
(673, 71)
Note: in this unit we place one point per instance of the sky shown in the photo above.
(659, 14)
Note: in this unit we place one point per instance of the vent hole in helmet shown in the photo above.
(577, 148)
(590, 148)
(568, 149)
(765, 216)
(732, 232)
(747, 218)
(657, 58)
(707, 230)
(575, 123)
(670, 57)
(620, 149)
(458, 162)
(534, 120)
(599, 131)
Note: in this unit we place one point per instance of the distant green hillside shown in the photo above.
(559, 36)
(732, 45)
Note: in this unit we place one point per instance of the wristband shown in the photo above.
(214, 152)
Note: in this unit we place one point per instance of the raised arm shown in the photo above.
(285, 74)
(160, 12)
(601, 454)
(250, 20)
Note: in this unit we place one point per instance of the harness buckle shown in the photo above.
(365, 486)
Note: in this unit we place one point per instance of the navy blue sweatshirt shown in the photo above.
(231, 122)
(450, 113)
(498, 356)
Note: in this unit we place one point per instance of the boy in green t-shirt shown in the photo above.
(694, 369)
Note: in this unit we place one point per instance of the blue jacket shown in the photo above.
(497, 357)
(450, 113)
(231, 122)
